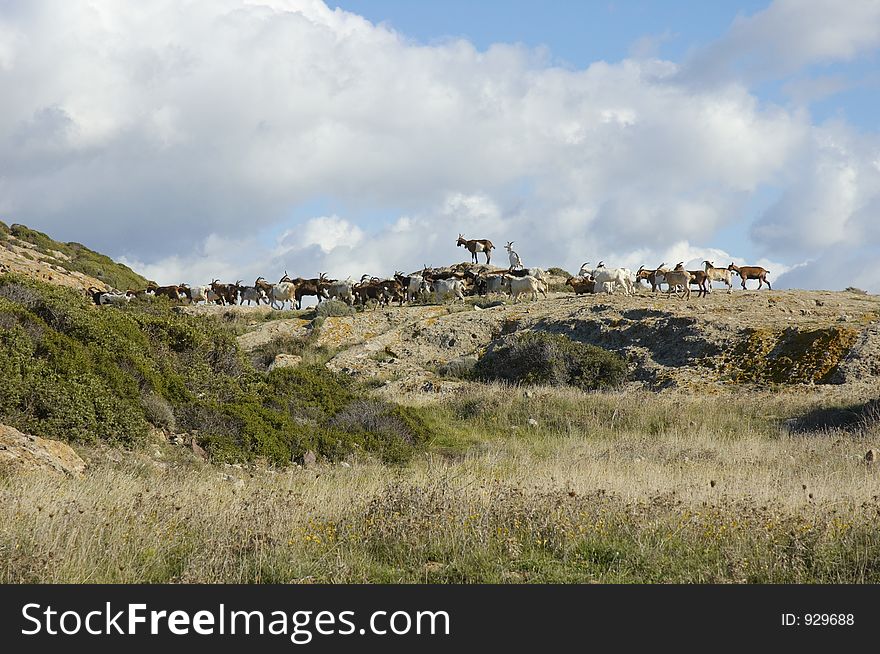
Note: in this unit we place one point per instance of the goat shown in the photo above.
(226, 293)
(676, 278)
(368, 289)
(173, 293)
(313, 286)
(526, 285)
(341, 290)
(649, 276)
(717, 275)
(103, 298)
(251, 294)
(411, 285)
(581, 285)
(537, 273)
(515, 261)
(476, 245)
(444, 288)
(282, 292)
(492, 283)
(618, 276)
(260, 282)
(197, 294)
(699, 278)
(751, 272)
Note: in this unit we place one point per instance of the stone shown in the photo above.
(198, 450)
(285, 361)
(309, 458)
(21, 452)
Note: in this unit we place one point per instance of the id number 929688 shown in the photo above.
(818, 619)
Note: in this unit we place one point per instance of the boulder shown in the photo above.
(22, 453)
(285, 361)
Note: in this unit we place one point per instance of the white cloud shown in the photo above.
(327, 232)
(787, 36)
(174, 133)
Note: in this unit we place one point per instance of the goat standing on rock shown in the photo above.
(476, 245)
(515, 261)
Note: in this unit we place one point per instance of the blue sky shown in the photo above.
(275, 135)
(576, 33)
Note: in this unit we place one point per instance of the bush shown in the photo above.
(334, 308)
(391, 430)
(76, 372)
(560, 272)
(542, 358)
(158, 411)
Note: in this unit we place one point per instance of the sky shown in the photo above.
(228, 139)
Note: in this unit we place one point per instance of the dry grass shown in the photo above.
(608, 487)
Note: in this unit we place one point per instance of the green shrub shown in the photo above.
(391, 430)
(334, 308)
(158, 411)
(559, 272)
(76, 372)
(554, 359)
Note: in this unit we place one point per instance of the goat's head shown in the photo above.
(461, 241)
(679, 265)
(732, 267)
(509, 246)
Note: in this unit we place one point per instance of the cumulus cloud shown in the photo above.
(831, 207)
(175, 133)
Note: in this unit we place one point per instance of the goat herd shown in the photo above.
(443, 283)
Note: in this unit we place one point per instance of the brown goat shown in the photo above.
(751, 272)
(476, 245)
(581, 285)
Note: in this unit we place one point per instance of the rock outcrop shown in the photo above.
(22, 453)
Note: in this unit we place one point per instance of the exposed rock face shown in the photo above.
(22, 452)
(285, 361)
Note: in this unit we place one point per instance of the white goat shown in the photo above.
(444, 288)
(718, 275)
(283, 292)
(526, 285)
(622, 277)
(201, 294)
(113, 297)
(515, 261)
(341, 290)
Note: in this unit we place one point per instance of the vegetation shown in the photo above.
(79, 258)
(77, 373)
(606, 487)
(555, 359)
(334, 308)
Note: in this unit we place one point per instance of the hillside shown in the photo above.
(36, 255)
(744, 338)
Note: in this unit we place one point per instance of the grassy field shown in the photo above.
(545, 485)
